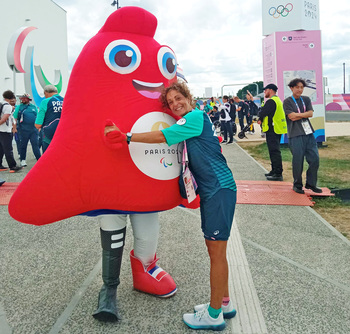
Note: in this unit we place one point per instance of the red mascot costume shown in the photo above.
(118, 76)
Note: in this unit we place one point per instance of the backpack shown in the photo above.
(1, 107)
(254, 109)
(246, 107)
(232, 112)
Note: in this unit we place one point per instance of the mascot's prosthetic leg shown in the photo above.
(147, 276)
(113, 229)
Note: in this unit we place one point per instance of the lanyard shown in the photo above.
(295, 101)
(184, 156)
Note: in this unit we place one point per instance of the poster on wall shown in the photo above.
(309, 76)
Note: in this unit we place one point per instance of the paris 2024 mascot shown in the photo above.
(118, 76)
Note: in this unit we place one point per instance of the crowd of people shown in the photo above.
(25, 123)
(223, 114)
(276, 118)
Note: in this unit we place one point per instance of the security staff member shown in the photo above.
(273, 122)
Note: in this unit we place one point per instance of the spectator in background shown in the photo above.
(243, 111)
(233, 116)
(253, 110)
(14, 133)
(198, 106)
(298, 109)
(6, 136)
(25, 115)
(207, 108)
(49, 115)
(225, 121)
(214, 114)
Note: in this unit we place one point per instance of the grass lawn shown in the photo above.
(334, 173)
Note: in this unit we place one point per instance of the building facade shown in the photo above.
(33, 47)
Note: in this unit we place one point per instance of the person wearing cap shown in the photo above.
(49, 115)
(25, 115)
(273, 121)
(298, 109)
(6, 135)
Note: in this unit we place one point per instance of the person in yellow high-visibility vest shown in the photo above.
(273, 121)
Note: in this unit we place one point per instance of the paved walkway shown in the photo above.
(289, 271)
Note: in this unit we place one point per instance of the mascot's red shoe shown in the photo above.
(153, 279)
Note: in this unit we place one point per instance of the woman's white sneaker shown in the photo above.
(228, 310)
(202, 320)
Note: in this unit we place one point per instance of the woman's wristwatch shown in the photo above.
(128, 137)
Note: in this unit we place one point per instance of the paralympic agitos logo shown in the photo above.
(29, 70)
(281, 10)
(158, 161)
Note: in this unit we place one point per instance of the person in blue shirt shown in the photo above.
(25, 115)
(216, 188)
(207, 107)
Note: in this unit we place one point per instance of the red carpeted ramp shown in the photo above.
(248, 192)
(6, 191)
(274, 193)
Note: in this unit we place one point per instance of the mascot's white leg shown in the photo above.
(113, 229)
(147, 276)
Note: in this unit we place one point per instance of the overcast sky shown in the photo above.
(216, 42)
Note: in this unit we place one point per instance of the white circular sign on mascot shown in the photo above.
(159, 161)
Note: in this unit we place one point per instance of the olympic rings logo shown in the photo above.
(281, 10)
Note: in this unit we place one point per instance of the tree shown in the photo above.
(252, 88)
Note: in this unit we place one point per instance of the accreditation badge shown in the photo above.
(190, 185)
(306, 126)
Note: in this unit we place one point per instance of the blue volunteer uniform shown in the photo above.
(49, 115)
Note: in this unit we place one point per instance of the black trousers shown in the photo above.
(273, 144)
(6, 148)
(227, 129)
(304, 147)
(241, 115)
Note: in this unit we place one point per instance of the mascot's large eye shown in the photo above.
(167, 62)
(122, 56)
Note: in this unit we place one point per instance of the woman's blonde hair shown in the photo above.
(180, 87)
